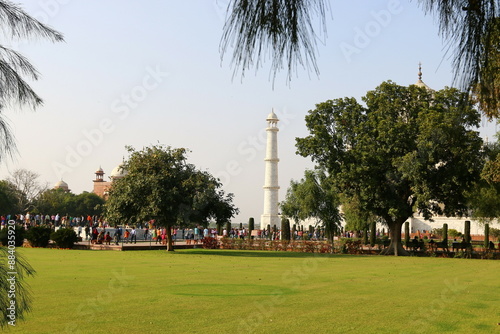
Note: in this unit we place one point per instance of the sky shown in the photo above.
(139, 73)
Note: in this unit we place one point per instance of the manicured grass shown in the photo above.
(222, 291)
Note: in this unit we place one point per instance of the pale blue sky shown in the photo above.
(141, 72)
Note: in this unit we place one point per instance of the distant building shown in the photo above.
(61, 185)
(101, 187)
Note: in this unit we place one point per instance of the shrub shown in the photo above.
(210, 243)
(251, 224)
(454, 233)
(495, 233)
(64, 237)
(19, 232)
(39, 236)
(486, 235)
(438, 232)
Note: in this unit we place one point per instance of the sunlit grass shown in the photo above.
(222, 291)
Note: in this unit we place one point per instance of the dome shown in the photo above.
(100, 170)
(61, 185)
(118, 172)
(420, 83)
(272, 117)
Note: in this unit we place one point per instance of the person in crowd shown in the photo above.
(100, 237)
(95, 234)
(107, 238)
(126, 235)
(118, 234)
(133, 235)
(87, 232)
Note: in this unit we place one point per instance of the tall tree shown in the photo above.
(284, 29)
(408, 150)
(313, 197)
(28, 187)
(160, 184)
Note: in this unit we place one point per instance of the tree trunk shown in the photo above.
(170, 244)
(395, 247)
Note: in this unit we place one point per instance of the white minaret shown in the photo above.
(271, 187)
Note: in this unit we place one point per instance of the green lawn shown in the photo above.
(202, 291)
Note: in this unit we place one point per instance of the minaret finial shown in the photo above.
(419, 71)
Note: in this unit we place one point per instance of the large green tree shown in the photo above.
(407, 150)
(313, 197)
(283, 30)
(160, 184)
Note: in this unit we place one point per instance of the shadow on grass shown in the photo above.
(263, 254)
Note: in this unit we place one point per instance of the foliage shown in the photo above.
(487, 90)
(313, 197)
(409, 149)
(16, 24)
(473, 31)
(486, 235)
(438, 232)
(484, 197)
(22, 292)
(495, 233)
(445, 232)
(39, 236)
(467, 231)
(251, 224)
(18, 234)
(64, 238)
(284, 29)
(9, 200)
(161, 185)
(454, 233)
(355, 214)
(210, 243)
(285, 229)
(27, 186)
(60, 201)
(281, 27)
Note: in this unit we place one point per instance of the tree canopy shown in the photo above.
(313, 197)
(160, 184)
(407, 150)
(54, 201)
(484, 198)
